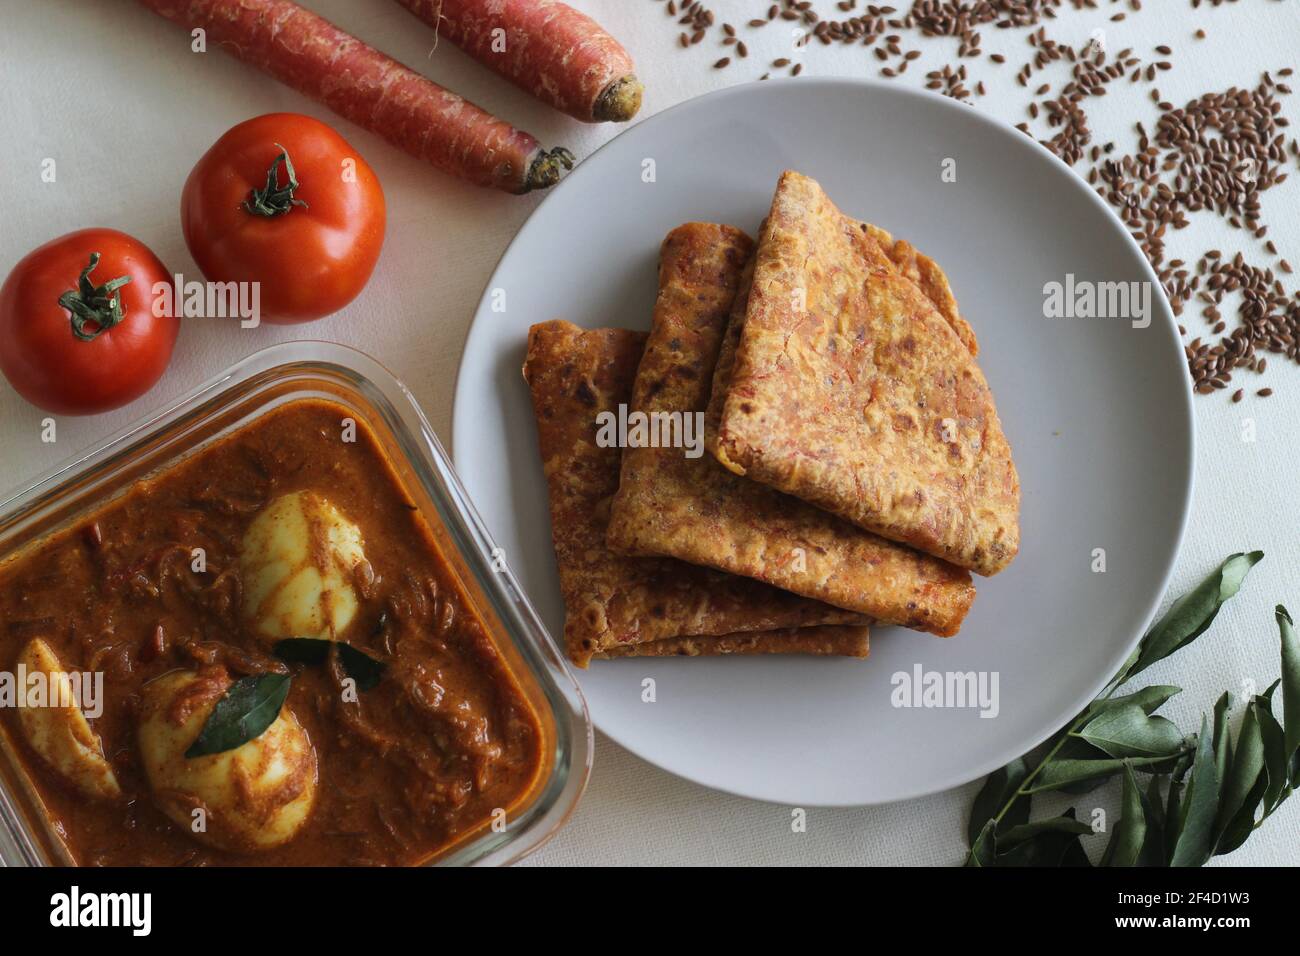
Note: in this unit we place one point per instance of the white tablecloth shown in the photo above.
(114, 95)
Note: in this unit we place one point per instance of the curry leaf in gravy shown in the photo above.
(303, 650)
(250, 705)
(360, 666)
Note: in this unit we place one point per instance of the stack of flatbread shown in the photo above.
(852, 468)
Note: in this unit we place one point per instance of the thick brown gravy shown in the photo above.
(445, 739)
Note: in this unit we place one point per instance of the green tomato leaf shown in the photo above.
(1190, 616)
(1128, 835)
(1200, 806)
(1127, 731)
(249, 706)
(993, 796)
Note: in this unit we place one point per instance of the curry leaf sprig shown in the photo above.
(1204, 794)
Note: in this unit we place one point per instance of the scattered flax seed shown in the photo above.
(1264, 392)
(1213, 155)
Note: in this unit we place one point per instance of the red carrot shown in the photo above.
(550, 49)
(316, 58)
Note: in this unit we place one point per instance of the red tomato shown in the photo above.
(308, 228)
(77, 356)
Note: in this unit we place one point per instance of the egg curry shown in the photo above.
(292, 672)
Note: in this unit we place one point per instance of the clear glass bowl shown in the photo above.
(263, 381)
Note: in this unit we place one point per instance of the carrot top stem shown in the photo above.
(274, 199)
(545, 169)
(619, 101)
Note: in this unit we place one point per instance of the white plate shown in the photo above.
(1098, 414)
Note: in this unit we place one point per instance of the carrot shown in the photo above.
(316, 58)
(554, 52)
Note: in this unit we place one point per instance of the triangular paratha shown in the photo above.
(851, 389)
(669, 503)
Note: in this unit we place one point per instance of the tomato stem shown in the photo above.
(94, 306)
(274, 199)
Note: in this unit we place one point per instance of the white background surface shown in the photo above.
(113, 94)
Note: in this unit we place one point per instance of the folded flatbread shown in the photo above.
(832, 640)
(611, 600)
(694, 509)
(854, 386)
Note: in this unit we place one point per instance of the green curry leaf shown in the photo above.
(1245, 770)
(1200, 806)
(1127, 731)
(1192, 614)
(999, 788)
(249, 706)
(360, 666)
(1205, 794)
(1290, 693)
(1125, 846)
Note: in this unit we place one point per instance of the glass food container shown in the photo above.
(264, 381)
